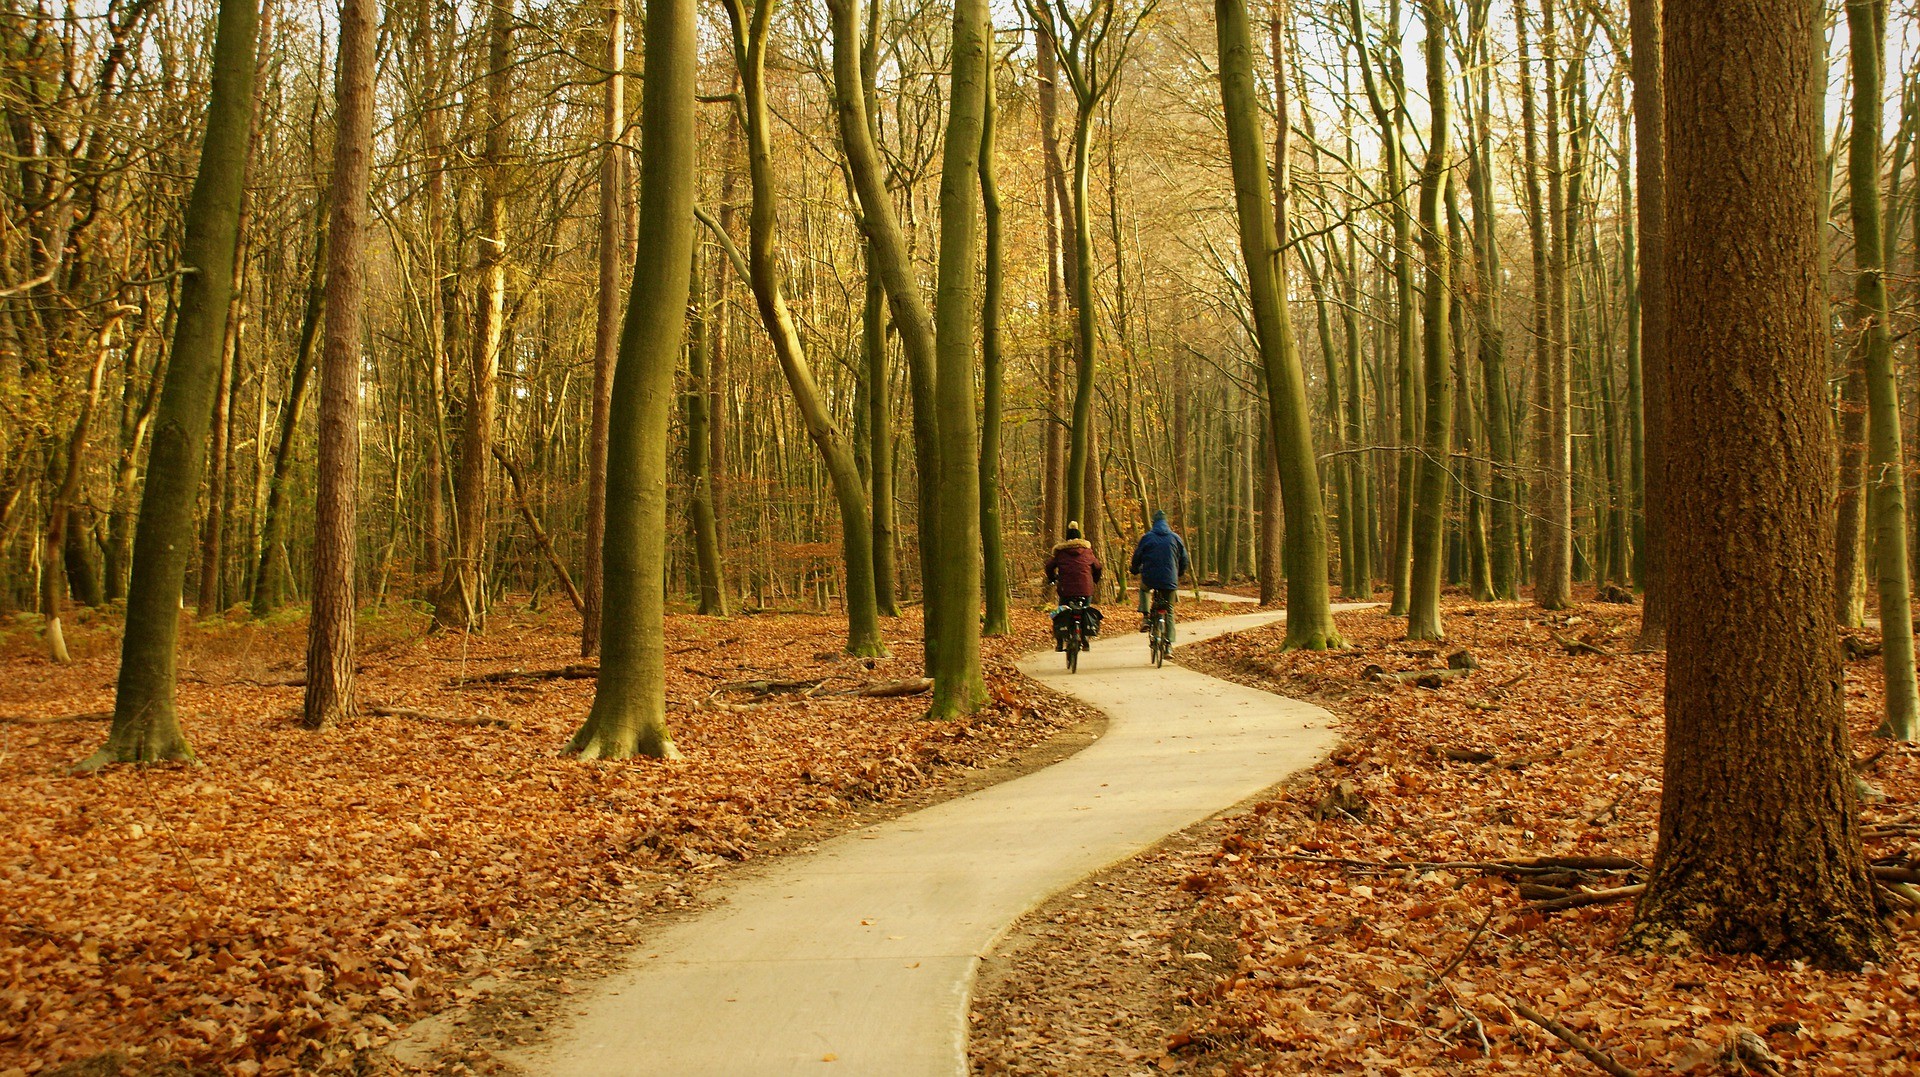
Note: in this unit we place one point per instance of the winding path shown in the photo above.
(858, 957)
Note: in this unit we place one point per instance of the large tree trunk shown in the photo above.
(629, 715)
(992, 545)
(1309, 604)
(1887, 500)
(606, 328)
(1759, 844)
(146, 726)
(462, 600)
(329, 697)
(1430, 509)
(750, 32)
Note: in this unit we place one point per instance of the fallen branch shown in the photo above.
(1573, 1039)
(1579, 646)
(579, 671)
(1888, 874)
(1585, 898)
(90, 716)
(1464, 950)
(892, 689)
(1425, 678)
(444, 719)
(1539, 865)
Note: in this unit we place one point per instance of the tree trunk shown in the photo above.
(462, 600)
(1887, 498)
(60, 510)
(992, 546)
(1759, 844)
(606, 327)
(1430, 510)
(270, 574)
(863, 615)
(1309, 604)
(1537, 212)
(1053, 482)
(1554, 581)
(629, 715)
(146, 727)
(330, 646)
(706, 530)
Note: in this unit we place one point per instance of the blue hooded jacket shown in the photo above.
(1159, 558)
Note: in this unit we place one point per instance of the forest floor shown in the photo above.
(296, 900)
(1237, 947)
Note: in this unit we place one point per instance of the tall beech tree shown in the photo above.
(606, 324)
(1309, 603)
(1887, 499)
(1430, 506)
(629, 715)
(146, 727)
(1759, 846)
(993, 577)
(1650, 178)
(329, 695)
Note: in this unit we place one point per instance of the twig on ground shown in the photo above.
(1465, 950)
(1574, 1040)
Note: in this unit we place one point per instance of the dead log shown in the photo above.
(1857, 648)
(892, 689)
(1425, 678)
(90, 716)
(1462, 659)
(579, 671)
(1579, 646)
(1615, 594)
(380, 711)
(1463, 755)
(1892, 874)
(1574, 1040)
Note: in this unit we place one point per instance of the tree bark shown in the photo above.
(1430, 509)
(629, 715)
(706, 529)
(606, 327)
(268, 577)
(330, 642)
(146, 727)
(1759, 846)
(993, 578)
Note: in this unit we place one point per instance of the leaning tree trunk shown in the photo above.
(270, 573)
(606, 328)
(146, 727)
(1759, 846)
(329, 697)
(59, 533)
(750, 33)
(462, 600)
(1430, 508)
(629, 715)
(1887, 497)
(992, 547)
(1309, 605)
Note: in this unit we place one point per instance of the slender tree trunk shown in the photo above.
(1759, 843)
(146, 727)
(1053, 496)
(1539, 493)
(207, 599)
(1309, 609)
(706, 530)
(1850, 517)
(1361, 496)
(1430, 511)
(330, 649)
(1650, 183)
(606, 329)
(863, 615)
(629, 715)
(269, 590)
(992, 546)
(1554, 582)
(1887, 499)
(60, 511)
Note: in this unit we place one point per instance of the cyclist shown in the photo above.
(1159, 559)
(1074, 570)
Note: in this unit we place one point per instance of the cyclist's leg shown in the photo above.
(1165, 599)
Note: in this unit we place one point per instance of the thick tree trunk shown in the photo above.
(993, 578)
(462, 600)
(629, 715)
(1759, 843)
(1887, 498)
(146, 726)
(1430, 511)
(1309, 604)
(606, 327)
(330, 648)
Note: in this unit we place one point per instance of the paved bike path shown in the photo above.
(858, 957)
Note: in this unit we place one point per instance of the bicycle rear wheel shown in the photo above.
(1073, 651)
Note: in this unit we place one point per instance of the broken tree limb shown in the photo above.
(892, 689)
(90, 716)
(1464, 950)
(1579, 646)
(1573, 1039)
(1425, 678)
(539, 533)
(1585, 898)
(1891, 874)
(579, 671)
(444, 719)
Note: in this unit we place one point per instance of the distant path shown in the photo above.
(863, 952)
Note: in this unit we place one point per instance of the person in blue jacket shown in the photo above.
(1159, 559)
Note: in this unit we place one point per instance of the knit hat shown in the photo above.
(1073, 529)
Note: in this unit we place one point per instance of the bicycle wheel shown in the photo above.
(1073, 649)
(1159, 647)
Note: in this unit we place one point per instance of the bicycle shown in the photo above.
(1160, 630)
(1073, 634)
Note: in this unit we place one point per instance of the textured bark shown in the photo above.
(1430, 508)
(1850, 518)
(993, 578)
(146, 727)
(330, 644)
(1053, 495)
(606, 327)
(706, 528)
(462, 600)
(1541, 444)
(629, 715)
(1553, 588)
(1309, 604)
(1759, 845)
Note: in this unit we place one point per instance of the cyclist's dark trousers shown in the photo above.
(1162, 599)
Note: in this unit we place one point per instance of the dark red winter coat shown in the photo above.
(1074, 568)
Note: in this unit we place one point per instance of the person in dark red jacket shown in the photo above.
(1074, 570)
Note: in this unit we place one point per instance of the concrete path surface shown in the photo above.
(858, 957)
